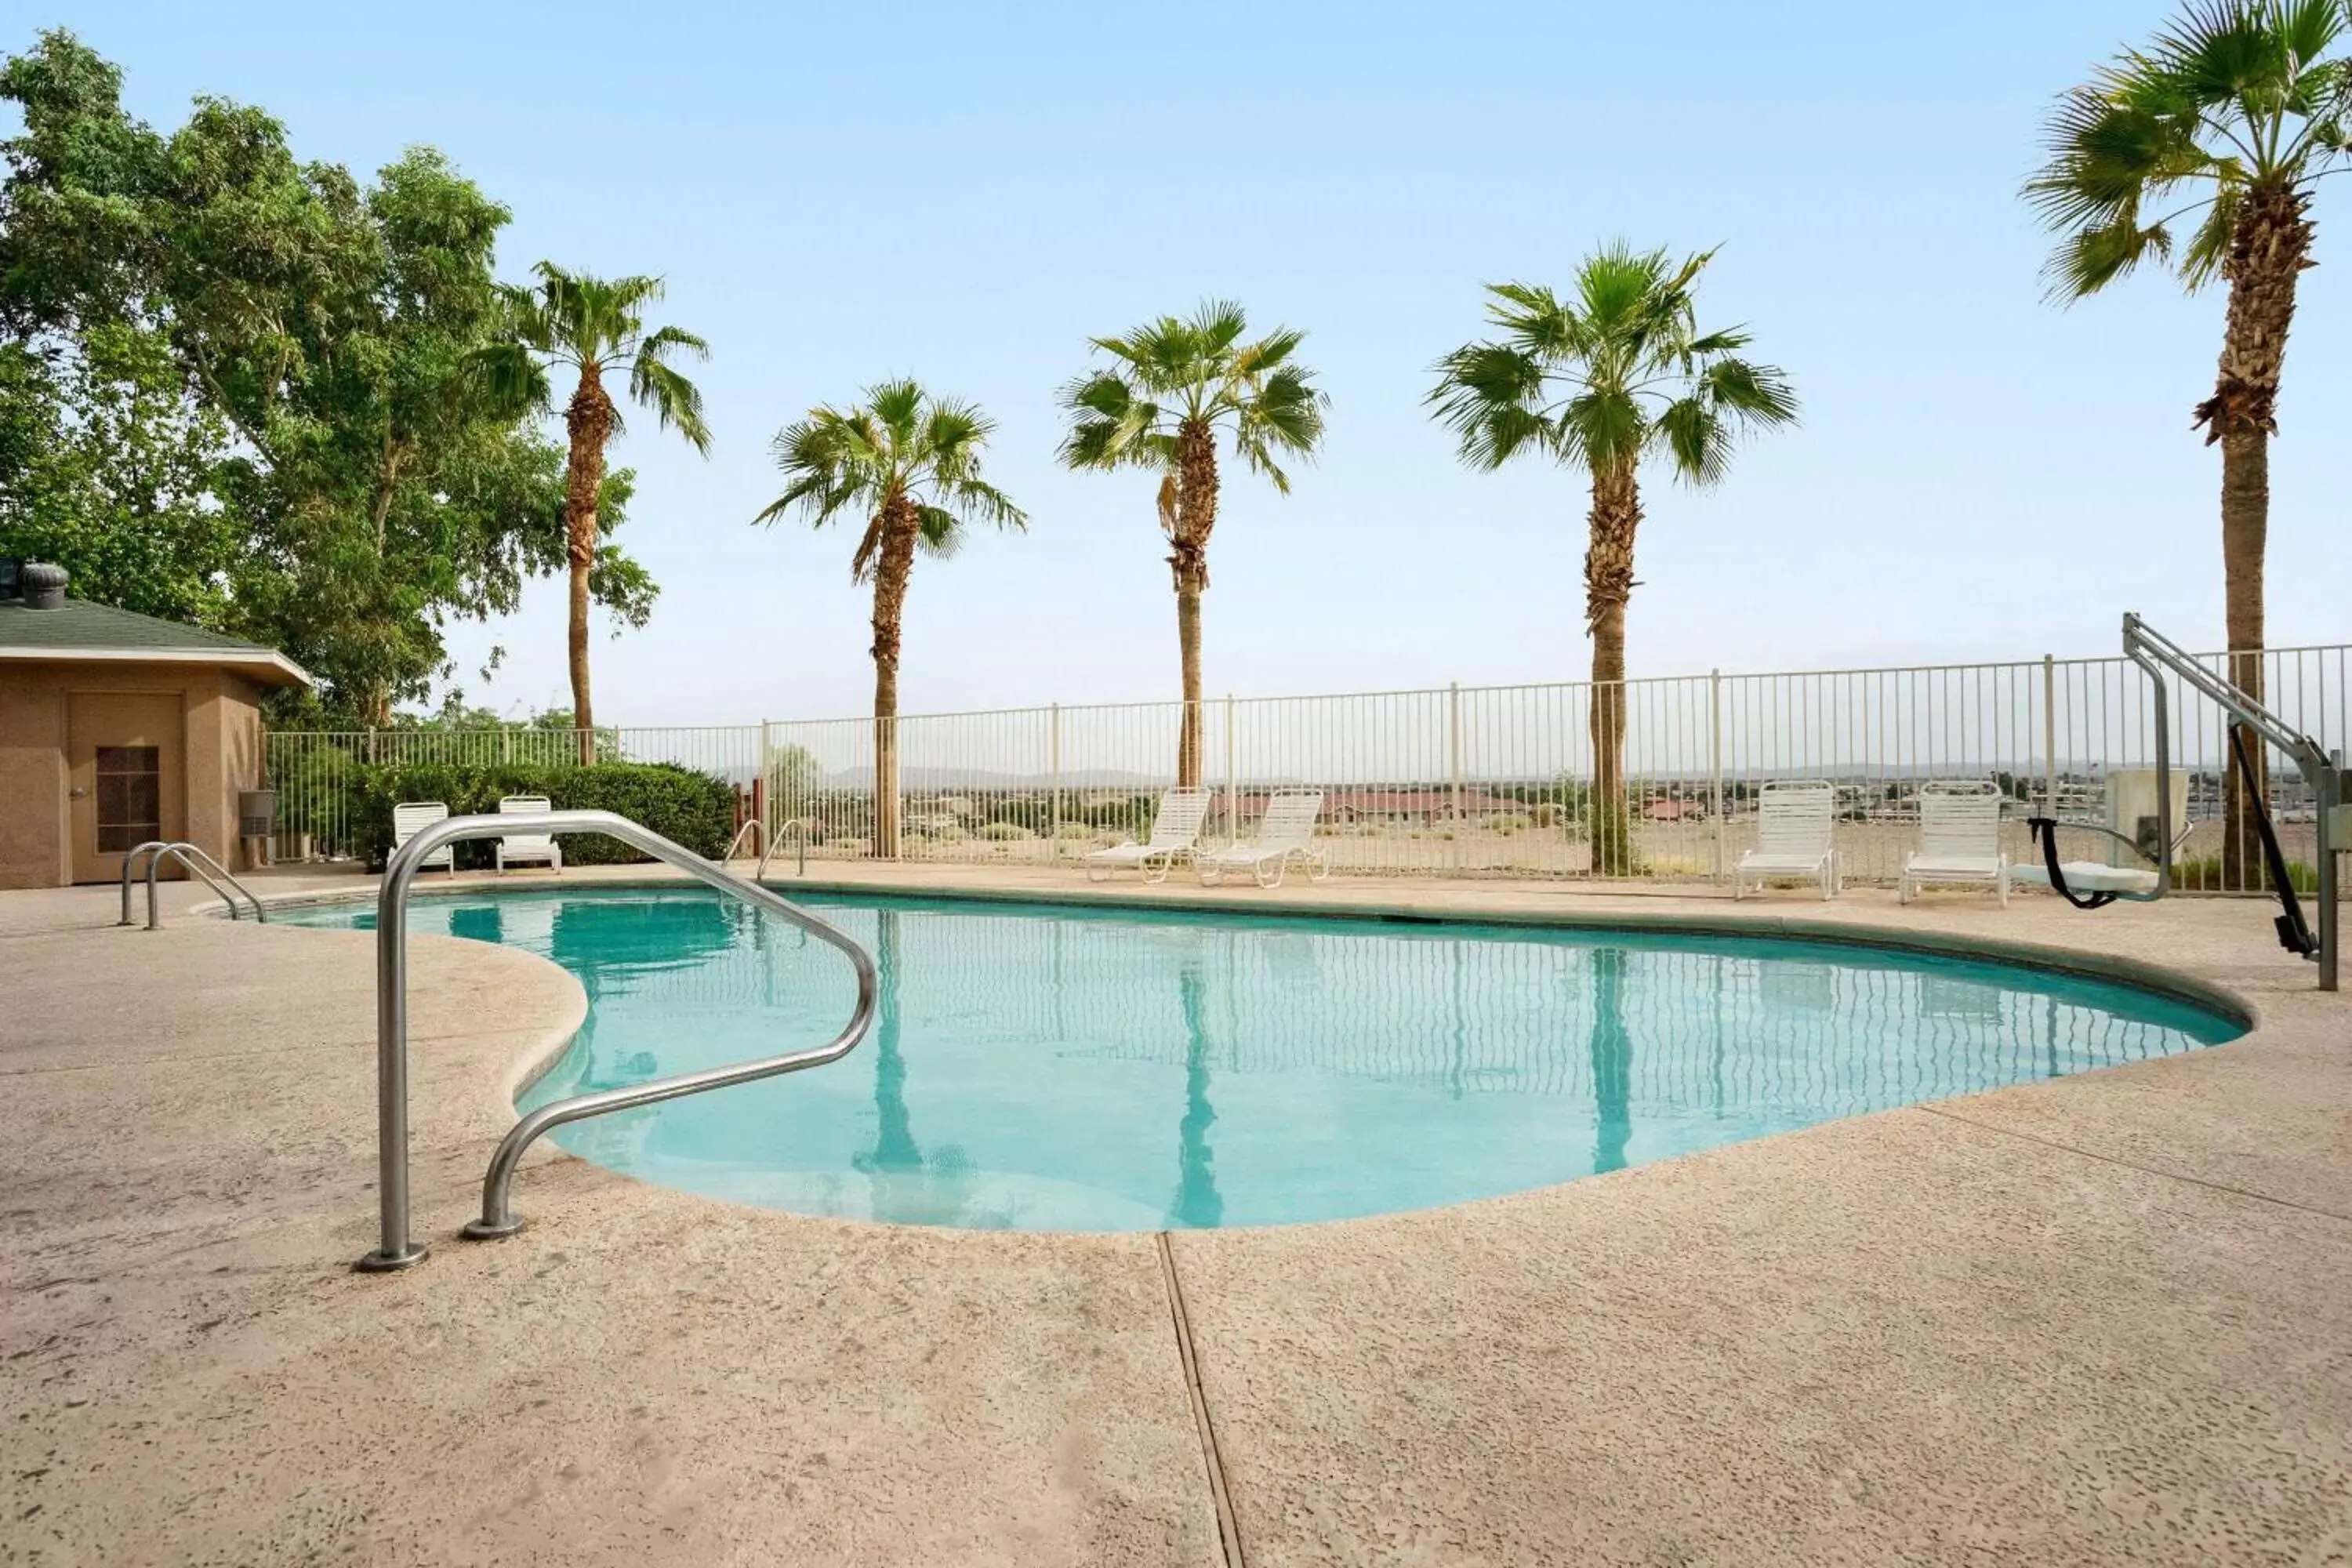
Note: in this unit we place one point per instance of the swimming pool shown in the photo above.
(1063, 1068)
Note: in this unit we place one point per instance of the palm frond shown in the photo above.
(975, 500)
(1600, 376)
(941, 531)
(899, 441)
(511, 378)
(1757, 394)
(1698, 439)
(2201, 263)
(1489, 395)
(2231, 96)
(676, 401)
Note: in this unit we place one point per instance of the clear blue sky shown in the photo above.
(967, 193)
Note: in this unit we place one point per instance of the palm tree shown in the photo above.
(1175, 384)
(596, 326)
(2231, 119)
(1614, 374)
(908, 464)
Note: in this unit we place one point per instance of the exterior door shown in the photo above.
(124, 756)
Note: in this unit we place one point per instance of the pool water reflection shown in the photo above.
(1088, 1069)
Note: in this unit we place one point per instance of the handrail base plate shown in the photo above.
(479, 1229)
(382, 1262)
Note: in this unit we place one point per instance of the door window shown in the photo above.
(130, 797)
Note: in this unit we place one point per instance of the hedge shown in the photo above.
(694, 809)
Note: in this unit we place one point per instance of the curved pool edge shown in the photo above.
(2160, 980)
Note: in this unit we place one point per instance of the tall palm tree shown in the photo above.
(2228, 120)
(1614, 374)
(1175, 384)
(597, 327)
(908, 464)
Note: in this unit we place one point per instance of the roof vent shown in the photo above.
(43, 586)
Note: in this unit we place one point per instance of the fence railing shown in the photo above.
(324, 778)
(1452, 780)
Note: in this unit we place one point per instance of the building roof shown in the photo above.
(79, 630)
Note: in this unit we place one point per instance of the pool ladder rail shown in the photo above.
(395, 1249)
(757, 831)
(798, 827)
(194, 858)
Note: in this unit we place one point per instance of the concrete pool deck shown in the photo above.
(2102, 1318)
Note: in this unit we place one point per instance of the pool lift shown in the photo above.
(2090, 885)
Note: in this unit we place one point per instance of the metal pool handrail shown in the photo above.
(798, 827)
(751, 823)
(195, 858)
(394, 1248)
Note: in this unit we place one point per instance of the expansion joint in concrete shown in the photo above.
(2158, 1171)
(1229, 1533)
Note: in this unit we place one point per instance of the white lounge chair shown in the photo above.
(1796, 831)
(1959, 838)
(410, 817)
(1175, 834)
(527, 848)
(1285, 833)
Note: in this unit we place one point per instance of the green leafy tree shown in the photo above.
(594, 327)
(1613, 375)
(1174, 385)
(2203, 151)
(906, 465)
(105, 467)
(255, 374)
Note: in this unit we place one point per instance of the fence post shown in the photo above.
(1453, 762)
(763, 792)
(2050, 737)
(1053, 770)
(1715, 763)
(1233, 792)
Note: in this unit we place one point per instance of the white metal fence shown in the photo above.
(1454, 780)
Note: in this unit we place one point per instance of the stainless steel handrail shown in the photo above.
(196, 859)
(751, 823)
(2159, 656)
(395, 1249)
(798, 827)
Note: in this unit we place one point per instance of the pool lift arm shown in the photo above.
(2160, 658)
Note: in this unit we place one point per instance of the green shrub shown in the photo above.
(1005, 832)
(2203, 874)
(697, 810)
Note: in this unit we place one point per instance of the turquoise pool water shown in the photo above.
(1066, 1068)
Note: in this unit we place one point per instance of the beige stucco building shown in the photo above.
(118, 728)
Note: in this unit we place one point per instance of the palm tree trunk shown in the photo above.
(1188, 642)
(1608, 584)
(589, 423)
(2245, 525)
(2268, 251)
(900, 526)
(1196, 516)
